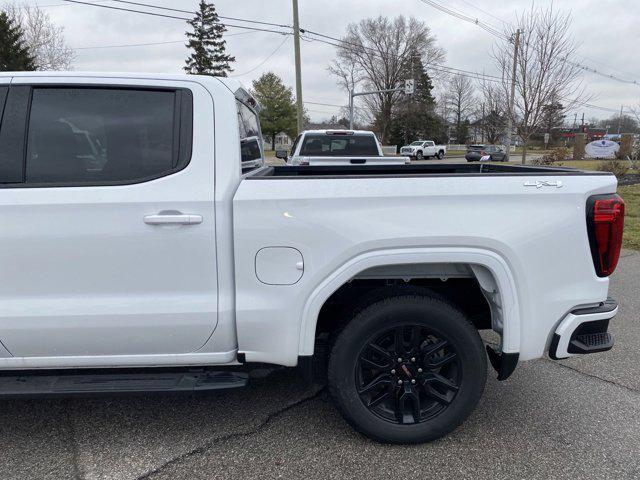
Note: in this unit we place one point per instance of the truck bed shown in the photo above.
(451, 169)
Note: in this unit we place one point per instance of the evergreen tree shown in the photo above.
(14, 53)
(278, 112)
(415, 116)
(208, 56)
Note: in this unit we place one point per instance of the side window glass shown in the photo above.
(295, 144)
(3, 97)
(95, 135)
(12, 133)
(251, 155)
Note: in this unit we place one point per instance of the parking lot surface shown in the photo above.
(578, 418)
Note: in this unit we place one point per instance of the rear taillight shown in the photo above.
(605, 221)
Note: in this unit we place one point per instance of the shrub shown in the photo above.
(554, 157)
(618, 168)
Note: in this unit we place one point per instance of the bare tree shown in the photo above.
(460, 100)
(374, 54)
(545, 74)
(492, 111)
(635, 111)
(43, 37)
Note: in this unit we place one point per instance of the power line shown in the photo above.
(329, 40)
(497, 33)
(265, 60)
(449, 11)
(191, 12)
(98, 47)
(341, 42)
(485, 12)
(163, 15)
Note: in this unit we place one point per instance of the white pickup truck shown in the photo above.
(146, 246)
(421, 149)
(338, 147)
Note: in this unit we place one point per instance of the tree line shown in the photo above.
(377, 54)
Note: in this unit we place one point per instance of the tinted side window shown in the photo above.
(295, 144)
(250, 137)
(12, 134)
(96, 135)
(3, 97)
(336, 146)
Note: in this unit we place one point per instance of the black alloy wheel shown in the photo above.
(408, 367)
(407, 374)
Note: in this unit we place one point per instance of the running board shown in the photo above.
(96, 383)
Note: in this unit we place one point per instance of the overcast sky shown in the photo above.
(607, 31)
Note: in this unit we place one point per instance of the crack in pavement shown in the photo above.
(591, 375)
(252, 431)
(73, 441)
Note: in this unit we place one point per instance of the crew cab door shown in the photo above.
(107, 242)
(430, 148)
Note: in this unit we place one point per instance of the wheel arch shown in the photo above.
(489, 268)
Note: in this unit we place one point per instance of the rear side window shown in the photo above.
(103, 135)
(250, 137)
(12, 132)
(338, 146)
(3, 97)
(295, 144)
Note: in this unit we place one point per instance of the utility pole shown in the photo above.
(620, 119)
(512, 97)
(582, 123)
(296, 46)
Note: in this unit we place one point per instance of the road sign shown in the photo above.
(546, 139)
(409, 86)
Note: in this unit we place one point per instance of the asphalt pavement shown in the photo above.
(578, 418)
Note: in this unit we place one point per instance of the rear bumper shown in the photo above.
(583, 331)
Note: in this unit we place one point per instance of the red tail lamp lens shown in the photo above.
(605, 222)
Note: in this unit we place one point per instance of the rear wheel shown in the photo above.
(440, 155)
(407, 369)
(419, 156)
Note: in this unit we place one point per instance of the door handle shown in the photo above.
(172, 219)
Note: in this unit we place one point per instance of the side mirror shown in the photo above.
(282, 154)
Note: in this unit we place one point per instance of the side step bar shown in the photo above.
(80, 383)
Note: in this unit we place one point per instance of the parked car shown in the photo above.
(475, 153)
(338, 147)
(183, 249)
(424, 149)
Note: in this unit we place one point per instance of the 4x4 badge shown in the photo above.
(544, 183)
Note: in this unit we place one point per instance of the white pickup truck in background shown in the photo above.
(338, 147)
(170, 257)
(424, 149)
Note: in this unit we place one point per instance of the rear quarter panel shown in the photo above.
(540, 233)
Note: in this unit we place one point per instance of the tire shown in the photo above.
(449, 377)
(419, 156)
(440, 155)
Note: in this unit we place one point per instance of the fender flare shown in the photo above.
(493, 262)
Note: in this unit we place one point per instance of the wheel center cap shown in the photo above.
(406, 370)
